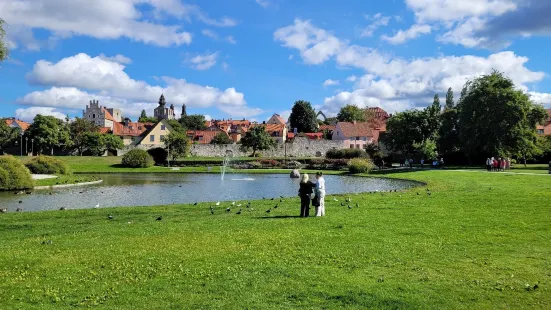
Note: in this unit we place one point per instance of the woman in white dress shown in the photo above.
(320, 192)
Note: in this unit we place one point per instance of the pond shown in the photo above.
(133, 189)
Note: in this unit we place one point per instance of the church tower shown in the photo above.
(162, 112)
(184, 112)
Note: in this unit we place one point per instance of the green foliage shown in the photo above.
(137, 158)
(176, 126)
(112, 142)
(257, 139)
(426, 149)
(49, 132)
(193, 122)
(47, 165)
(177, 144)
(80, 128)
(448, 133)
(330, 121)
(345, 154)
(449, 99)
(360, 165)
(148, 119)
(7, 134)
(351, 113)
(13, 174)
(159, 155)
(97, 143)
(497, 118)
(374, 152)
(143, 115)
(4, 52)
(221, 138)
(303, 117)
(406, 128)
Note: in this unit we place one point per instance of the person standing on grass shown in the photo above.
(498, 168)
(494, 164)
(305, 192)
(320, 193)
(422, 163)
(488, 164)
(503, 160)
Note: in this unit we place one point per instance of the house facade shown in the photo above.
(101, 116)
(278, 132)
(276, 119)
(203, 136)
(545, 128)
(17, 123)
(354, 135)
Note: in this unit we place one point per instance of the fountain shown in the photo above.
(225, 165)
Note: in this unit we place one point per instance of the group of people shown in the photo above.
(305, 191)
(498, 164)
(437, 163)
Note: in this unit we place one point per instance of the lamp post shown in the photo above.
(21, 135)
(27, 146)
(168, 155)
(32, 146)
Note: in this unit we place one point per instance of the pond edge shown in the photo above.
(67, 185)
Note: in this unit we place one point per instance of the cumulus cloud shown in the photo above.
(263, 3)
(74, 80)
(28, 114)
(209, 33)
(397, 83)
(330, 82)
(231, 40)
(117, 58)
(352, 78)
(105, 19)
(404, 35)
(204, 62)
(378, 20)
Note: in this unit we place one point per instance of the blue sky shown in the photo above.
(253, 58)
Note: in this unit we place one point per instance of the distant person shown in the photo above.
(488, 164)
(441, 162)
(503, 163)
(422, 163)
(498, 165)
(411, 163)
(508, 164)
(305, 193)
(494, 164)
(320, 193)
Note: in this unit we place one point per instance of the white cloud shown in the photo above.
(208, 117)
(541, 98)
(396, 83)
(263, 3)
(231, 40)
(209, 33)
(403, 35)
(352, 78)
(225, 66)
(28, 114)
(453, 10)
(79, 78)
(378, 21)
(204, 62)
(330, 82)
(117, 58)
(291, 57)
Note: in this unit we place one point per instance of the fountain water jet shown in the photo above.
(225, 165)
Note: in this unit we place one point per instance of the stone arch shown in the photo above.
(320, 113)
(318, 154)
(229, 153)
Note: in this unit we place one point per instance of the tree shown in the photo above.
(142, 115)
(79, 128)
(176, 126)
(221, 138)
(495, 118)
(405, 129)
(351, 113)
(7, 134)
(433, 117)
(112, 142)
(93, 141)
(448, 133)
(303, 117)
(330, 121)
(4, 52)
(257, 139)
(193, 122)
(146, 119)
(177, 144)
(449, 99)
(426, 149)
(48, 132)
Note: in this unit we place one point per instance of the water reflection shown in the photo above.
(157, 189)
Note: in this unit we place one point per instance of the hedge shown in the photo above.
(360, 165)
(137, 158)
(346, 154)
(13, 174)
(47, 165)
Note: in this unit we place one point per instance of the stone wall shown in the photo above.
(300, 147)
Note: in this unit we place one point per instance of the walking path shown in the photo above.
(43, 176)
(523, 173)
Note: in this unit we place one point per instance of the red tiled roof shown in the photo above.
(290, 135)
(279, 118)
(360, 129)
(378, 112)
(23, 125)
(273, 128)
(203, 136)
(314, 135)
(104, 129)
(107, 114)
(134, 129)
(327, 127)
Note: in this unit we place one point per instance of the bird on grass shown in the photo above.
(29, 193)
(239, 205)
(418, 194)
(348, 199)
(349, 207)
(218, 203)
(275, 207)
(342, 204)
(238, 212)
(18, 210)
(96, 206)
(160, 218)
(272, 198)
(62, 208)
(20, 201)
(228, 209)
(195, 204)
(47, 242)
(4, 210)
(211, 210)
(110, 217)
(357, 205)
(233, 203)
(335, 199)
(269, 210)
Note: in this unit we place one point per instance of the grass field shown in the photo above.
(66, 179)
(478, 241)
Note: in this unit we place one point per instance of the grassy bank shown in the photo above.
(477, 241)
(66, 179)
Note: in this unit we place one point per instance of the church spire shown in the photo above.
(162, 100)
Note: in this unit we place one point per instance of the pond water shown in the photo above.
(133, 189)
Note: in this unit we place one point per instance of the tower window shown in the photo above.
(93, 115)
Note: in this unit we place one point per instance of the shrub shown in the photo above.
(159, 155)
(47, 165)
(360, 165)
(269, 162)
(254, 165)
(137, 158)
(13, 174)
(336, 163)
(346, 154)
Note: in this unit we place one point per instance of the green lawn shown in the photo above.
(479, 241)
(66, 179)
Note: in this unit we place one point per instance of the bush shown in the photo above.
(346, 154)
(336, 163)
(47, 165)
(254, 165)
(159, 155)
(13, 174)
(137, 158)
(269, 162)
(360, 165)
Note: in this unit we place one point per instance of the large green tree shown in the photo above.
(221, 138)
(351, 113)
(495, 118)
(406, 129)
(79, 128)
(177, 144)
(433, 117)
(257, 139)
(4, 52)
(49, 132)
(449, 99)
(97, 143)
(303, 117)
(448, 133)
(176, 126)
(146, 119)
(7, 135)
(193, 122)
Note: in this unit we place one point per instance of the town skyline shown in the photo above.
(256, 58)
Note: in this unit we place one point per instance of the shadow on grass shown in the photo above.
(277, 217)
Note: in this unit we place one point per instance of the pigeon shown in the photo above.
(212, 211)
(20, 201)
(62, 208)
(239, 205)
(47, 242)
(110, 217)
(160, 218)
(357, 205)
(269, 210)
(218, 203)
(18, 210)
(29, 193)
(335, 199)
(52, 194)
(228, 209)
(233, 203)
(238, 212)
(4, 210)
(195, 204)
(349, 207)
(275, 207)
(342, 204)
(97, 206)
(272, 198)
